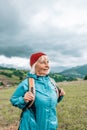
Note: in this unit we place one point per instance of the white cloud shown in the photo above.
(68, 15)
(59, 14)
(16, 62)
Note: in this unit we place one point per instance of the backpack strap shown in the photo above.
(30, 104)
(57, 89)
(31, 86)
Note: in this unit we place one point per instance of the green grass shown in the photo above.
(72, 110)
(8, 113)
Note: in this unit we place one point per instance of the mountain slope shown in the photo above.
(76, 72)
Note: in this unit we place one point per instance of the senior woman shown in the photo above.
(42, 114)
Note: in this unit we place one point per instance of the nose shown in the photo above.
(47, 64)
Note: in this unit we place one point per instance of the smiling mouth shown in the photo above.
(46, 69)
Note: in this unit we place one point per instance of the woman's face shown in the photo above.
(42, 66)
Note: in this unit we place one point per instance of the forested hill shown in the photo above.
(10, 76)
(76, 72)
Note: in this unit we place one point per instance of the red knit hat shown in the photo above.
(34, 57)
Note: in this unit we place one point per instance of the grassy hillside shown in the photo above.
(10, 77)
(72, 111)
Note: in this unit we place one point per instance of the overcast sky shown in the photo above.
(55, 27)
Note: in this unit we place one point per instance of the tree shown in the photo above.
(85, 78)
(1, 83)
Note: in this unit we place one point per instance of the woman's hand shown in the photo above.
(62, 92)
(28, 96)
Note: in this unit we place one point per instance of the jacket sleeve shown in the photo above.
(17, 99)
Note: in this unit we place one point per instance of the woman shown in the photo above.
(42, 114)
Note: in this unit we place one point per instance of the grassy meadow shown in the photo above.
(72, 111)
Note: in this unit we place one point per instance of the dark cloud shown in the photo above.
(31, 26)
(20, 51)
(11, 25)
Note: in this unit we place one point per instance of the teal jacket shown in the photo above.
(44, 117)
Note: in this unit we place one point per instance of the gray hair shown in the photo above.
(32, 71)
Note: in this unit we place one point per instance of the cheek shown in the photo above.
(37, 68)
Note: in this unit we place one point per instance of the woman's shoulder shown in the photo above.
(24, 81)
(24, 84)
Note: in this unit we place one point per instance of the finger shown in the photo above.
(28, 99)
(29, 95)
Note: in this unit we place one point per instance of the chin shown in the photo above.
(46, 73)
